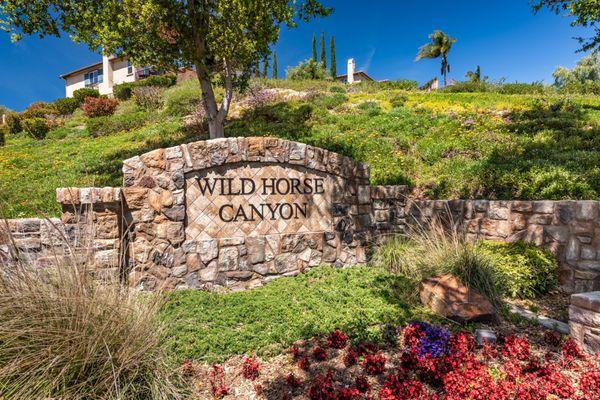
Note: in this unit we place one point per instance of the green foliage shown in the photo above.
(182, 99)
(331, 101)
(164, 80)
(66, 106)
(123, 91)
(13, 121)
(3, 133)
(337, 89)
(39, 109)
(81, 94)
(307, 69)
(99, 106)
(475, 76)
(432, 251)
(581, 88)
(586, 13)
(148, 97)
(102, 126)
(333, 62)
(398, 100)
(212, 327)
(522, 88)
(323, 52)
(586, 71)
(36, 127)
(372, 108)
(468, 87)
(372, 87)
(526, 271)
(274, 73)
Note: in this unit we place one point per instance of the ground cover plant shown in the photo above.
(446, 145)
(213, 327)
(419, 361)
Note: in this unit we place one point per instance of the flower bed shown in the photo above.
(424, 362)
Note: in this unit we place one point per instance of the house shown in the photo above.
(353, 76)
(104, 75)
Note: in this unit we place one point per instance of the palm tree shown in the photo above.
(439, 47)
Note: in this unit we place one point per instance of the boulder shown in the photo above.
(448, 297)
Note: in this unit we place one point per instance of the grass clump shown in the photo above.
(102, 126)
(527, 271)
(432, 251)
(213, 327)
(63, 335)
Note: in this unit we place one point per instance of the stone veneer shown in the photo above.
(584, 320)
(161, 231)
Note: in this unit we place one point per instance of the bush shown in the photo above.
(39, 109)
(522, 88)
(98, 106)
(13, 121)
(371, 108)
(148, 97)
(102, 126)
(308, 69)
(337, 89)
(3, 133)
(398, 100)
(182, 100)
(72, 337)
(469, 87)
(81, 94)
(123, 91)
(589, 87)
(166, 80)
(331, 101)
(433, 250)
(36, 127)
(527, 271)
(66, 106)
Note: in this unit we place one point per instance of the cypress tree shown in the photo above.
(323, 52)
(314, 49)
(265, 66)
(274, 72)
(333, 68)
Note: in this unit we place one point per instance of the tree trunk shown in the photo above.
(215, 124)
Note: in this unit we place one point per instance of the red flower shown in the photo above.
(304, 363)
(295, 352)
(188, 369)
(374, 364)
(322, 388)
(292, 380)
(216, 381)
(347, 394)
(589, 384)
(319, 353)
(362, 384)
(364, 348)
(517, 348)
(350, 358)
(551, 338)
(337, 339)
(250, 368)
(398, 388)
(571, 350)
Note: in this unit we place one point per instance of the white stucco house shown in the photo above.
(104, 74)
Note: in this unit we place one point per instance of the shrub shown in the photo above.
(39, 109)
(74, 337)
(250, 368)
(182, 100)
(102, 126)
(433, 250)
(166, 80)
(99, 106)
(468, 87)
(374, 364)
(81, 94)
(66, 106)
(148, 97)
(13, 121)
(331, 101)
(308, 69)
(3, 133)
(337, 339)
(526, 270)
(371, 108)
(398, 100)
(36, 127)
(588, 87)
(522, 88)
(337, 89)
(123, 91)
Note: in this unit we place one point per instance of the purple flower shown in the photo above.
(435, 342)
(469, 122)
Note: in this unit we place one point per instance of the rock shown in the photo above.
(256, 249)
(485, 336)
(447, 296)
(176, 213)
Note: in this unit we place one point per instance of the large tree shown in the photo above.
(323, 51)
(221, 39)
(586, 13)
(439, 47)
(274, 71)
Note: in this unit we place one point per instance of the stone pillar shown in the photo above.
(106, 86)
(584, 320)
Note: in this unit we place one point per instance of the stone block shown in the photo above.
(584, 316)
(522, 206)
(256, 249)
(572, 251)
(154, 159)
(67, 195)
(497, 210)
(208, 250)
(587, 301)
(135, 197)
(228, 259)
(364, 194)
(587, 210)
(543, 207)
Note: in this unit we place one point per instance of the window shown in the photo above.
(93, 78)
(129, 68)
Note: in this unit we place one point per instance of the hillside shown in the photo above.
(446, 145)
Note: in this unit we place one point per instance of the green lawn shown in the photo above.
(447, 145)
(212, 327)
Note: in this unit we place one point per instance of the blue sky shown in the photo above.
(383, 36)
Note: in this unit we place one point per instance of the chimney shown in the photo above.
(350, 77)
(107, 76)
